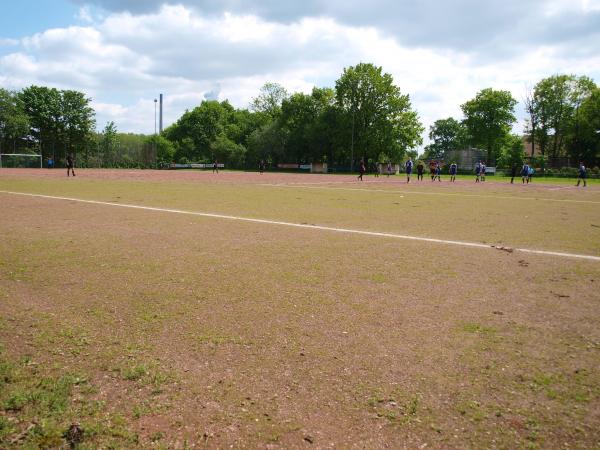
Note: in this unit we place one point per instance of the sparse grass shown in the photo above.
(170, 329)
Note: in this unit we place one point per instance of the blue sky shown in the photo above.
(24, 17)
(123, 53)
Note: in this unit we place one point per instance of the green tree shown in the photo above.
(14, 123)
(61, 121)
(378, 116)
(109, 145)
(225, 150)
(269, 100)
(488, 118)
(512, 152)
(446, 135)
(158, 149)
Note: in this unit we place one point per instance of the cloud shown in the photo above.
(484, 27)
(124, 60)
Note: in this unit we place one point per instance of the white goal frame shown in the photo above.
(33, 155)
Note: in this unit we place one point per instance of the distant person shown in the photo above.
(50, 162)
(483, 167)
(70, 164)
(261, 166)
(432, 170)
(530, 173)
(409, 167)
(420, 171)
(477, 171)
(361, 169)
(453, 170)
(216, 166)
(513, 173)
(582, 174)
(438, 172)
(525, 173)
(376, 169)
(389, 168)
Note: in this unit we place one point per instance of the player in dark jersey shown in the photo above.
(70, 164)
(361, 170)
(216, 166)
(420, 171)
(409, 167)
(513, 173)
(582, 174)
(261, 166)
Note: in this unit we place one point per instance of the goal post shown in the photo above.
(20, 160)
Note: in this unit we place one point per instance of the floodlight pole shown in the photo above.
(155, 116)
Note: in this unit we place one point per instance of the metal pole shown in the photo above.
(155, 116)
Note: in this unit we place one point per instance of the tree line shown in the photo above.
(563, 120)
(364, 116)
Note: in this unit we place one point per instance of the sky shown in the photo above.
(123, 53)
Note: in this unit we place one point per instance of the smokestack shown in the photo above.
(160, 120)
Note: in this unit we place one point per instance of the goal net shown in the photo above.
(26, 160)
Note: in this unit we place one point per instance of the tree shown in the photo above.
(588, 149)
(109, 144)
(512, 152)
(379, 117)
(60, 121)
(14, 123)
(488, 118)
(533, 120)
(158, 149)
(447, 135)
(227, 151)
(269, 100)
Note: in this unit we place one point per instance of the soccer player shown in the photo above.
(70, 164)
(582, 174)
(409, 167)
(261, 166)
(525, 173)
(420, 171)
(216, 166)
(361, 169)
(530, 172)
(438, 172)
(376, 169)
(453, 170)
(477, 171)
(513, 173)
(389, 168)
(483, 167)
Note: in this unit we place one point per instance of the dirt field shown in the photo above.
(158, 329)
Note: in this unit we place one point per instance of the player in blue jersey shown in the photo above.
(409, 167)
(453, 170)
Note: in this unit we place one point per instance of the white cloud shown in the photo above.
(123, 61)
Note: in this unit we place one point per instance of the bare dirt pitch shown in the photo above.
(155, 329)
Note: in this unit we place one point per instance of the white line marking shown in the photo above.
(309, 226)
(451, 194)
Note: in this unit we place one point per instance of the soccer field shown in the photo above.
(174, 309)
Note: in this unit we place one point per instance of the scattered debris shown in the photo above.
(74, 435)
(499, 313)
(523, 263)
(504, 249)
(308, 438)
(560, 295)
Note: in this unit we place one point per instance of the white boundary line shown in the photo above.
(448, 194)
(312, 227)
